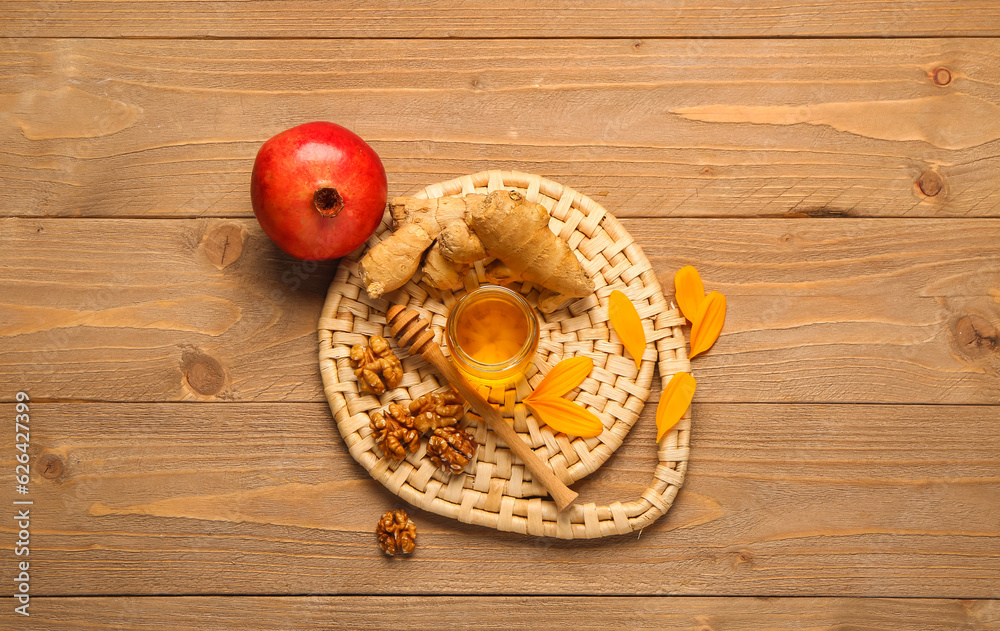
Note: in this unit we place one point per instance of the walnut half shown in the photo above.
(376, 367)
(451, 449)
(394, 432)
(396, 533)
(436, 409)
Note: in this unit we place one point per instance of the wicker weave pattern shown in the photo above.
(496, 490)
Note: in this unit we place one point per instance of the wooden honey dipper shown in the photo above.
(413, 332)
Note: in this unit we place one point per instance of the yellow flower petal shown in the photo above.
(564, 376)
(625, 319)
(689, 291)
(566, 416)
(674, 401)
(707, 327)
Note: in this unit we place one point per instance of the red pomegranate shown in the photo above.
(318, 190)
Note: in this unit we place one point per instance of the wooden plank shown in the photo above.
(518, 18)
(654, 128)
(780, 500)
(894, 310)
(161, 310)
(502, 612)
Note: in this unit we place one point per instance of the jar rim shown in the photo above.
(529, 315)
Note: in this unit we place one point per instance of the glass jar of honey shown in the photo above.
(492, 333)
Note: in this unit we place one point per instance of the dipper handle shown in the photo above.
(413, 332)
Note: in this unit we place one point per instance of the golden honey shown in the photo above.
(492, 334)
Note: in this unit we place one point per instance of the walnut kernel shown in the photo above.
(376, 367)
(451, 449)
(436, 409)
(394, 432)
(396, 533)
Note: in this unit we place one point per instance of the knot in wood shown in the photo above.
(941, 76)
(224, 244)
(741, 557)
(930, 183)
(976, 336)
(51, 466)
(203, 373)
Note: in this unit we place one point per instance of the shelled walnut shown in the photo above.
(376, 367)
(451, 449)
(394, 431)
(436, 409)
(396, 533)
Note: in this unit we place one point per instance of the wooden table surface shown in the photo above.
(832, 167)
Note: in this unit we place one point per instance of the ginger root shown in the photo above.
(419, 223)
(392, 262)
(516, 231)
(459, 245)
(458, 231)
(441, 272)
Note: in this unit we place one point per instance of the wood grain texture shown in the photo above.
(186, 471)
(174, 310)
(245, 498)
(167, 128)
(452, 612)
(519, 18)
(891, 311)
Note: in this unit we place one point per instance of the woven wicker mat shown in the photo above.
(496, 490)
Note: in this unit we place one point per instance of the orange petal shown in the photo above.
(564, 376)
(674, 401)
(689, 291)
(707, 327)
(628, 325)
(566, 416)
